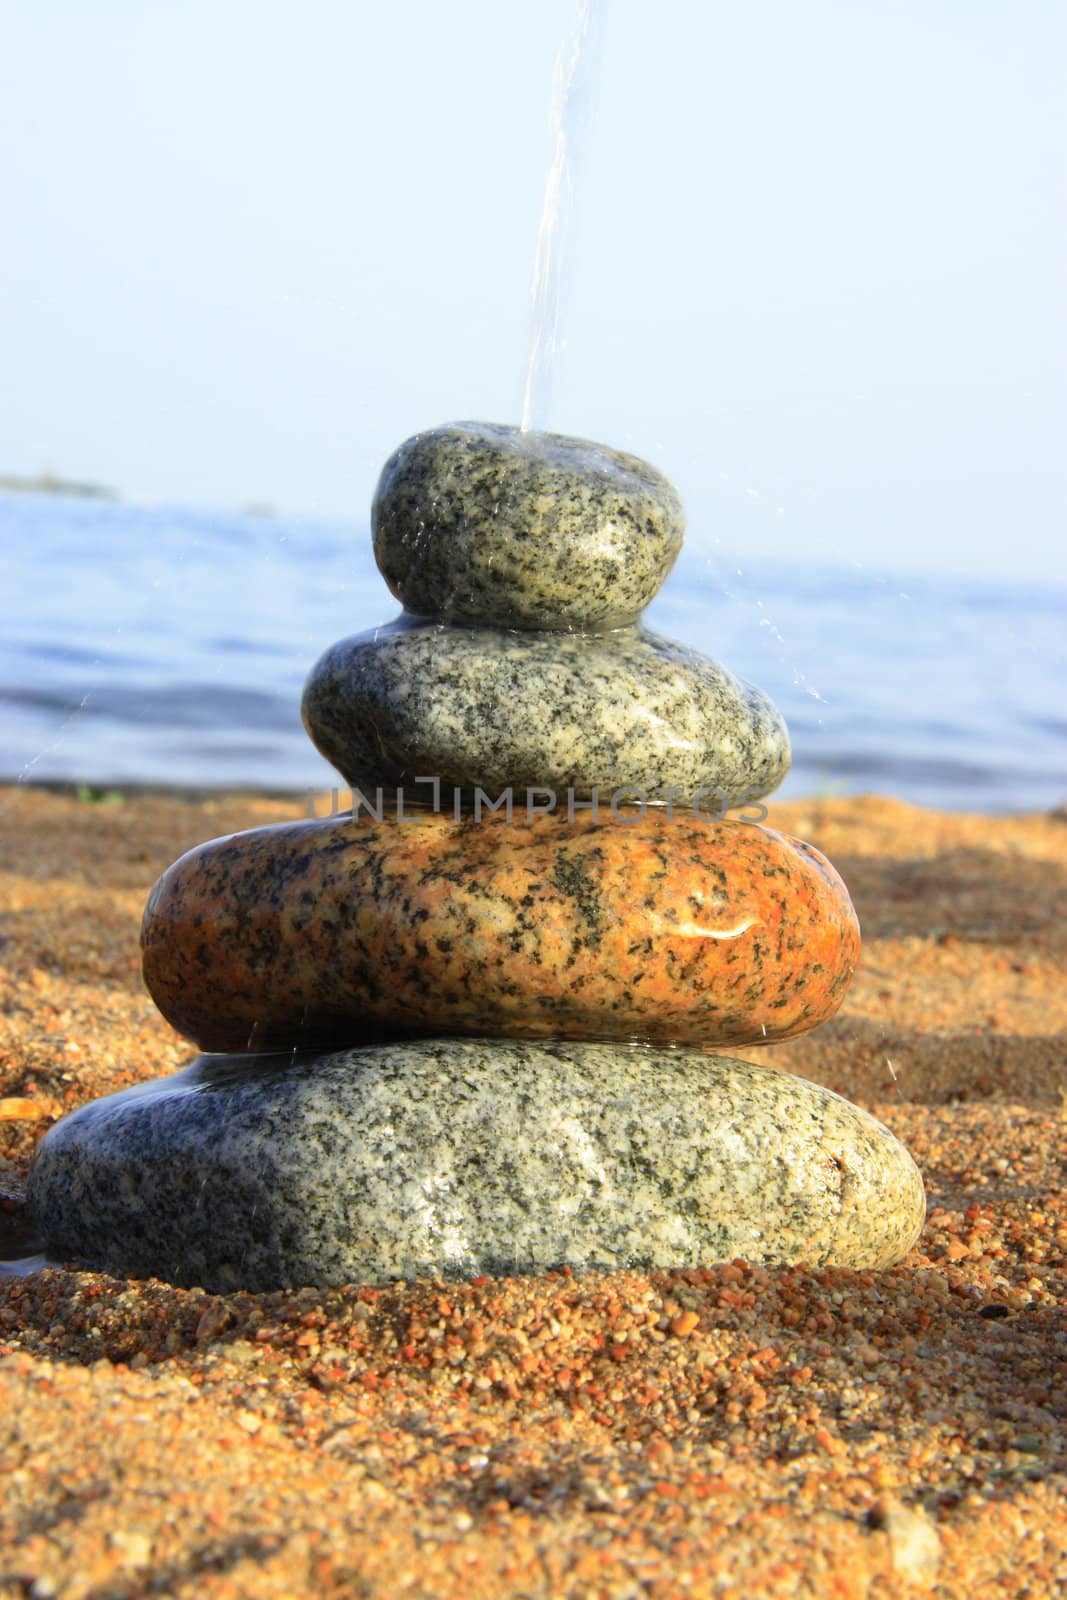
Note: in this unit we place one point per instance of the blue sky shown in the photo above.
(816, 264)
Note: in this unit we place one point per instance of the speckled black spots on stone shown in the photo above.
(452, 1158)
(482, 523)
(573, 878)
(488, 708)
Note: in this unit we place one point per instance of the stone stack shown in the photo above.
(468, 1027)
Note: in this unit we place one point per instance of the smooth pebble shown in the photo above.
(480, 522)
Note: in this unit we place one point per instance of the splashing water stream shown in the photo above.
(572, 97)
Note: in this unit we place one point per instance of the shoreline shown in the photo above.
(719, 1431)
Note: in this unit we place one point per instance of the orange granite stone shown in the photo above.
(665, 929)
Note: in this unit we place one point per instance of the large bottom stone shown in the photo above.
(456, 1158)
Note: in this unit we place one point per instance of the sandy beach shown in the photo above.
(727, 1432)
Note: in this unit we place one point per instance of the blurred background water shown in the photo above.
(163, 646)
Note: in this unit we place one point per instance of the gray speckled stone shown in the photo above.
(455, 1158)
(484, 706)
(481, 523)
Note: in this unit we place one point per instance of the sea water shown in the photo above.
(169, 647)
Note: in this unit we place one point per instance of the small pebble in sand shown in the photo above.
(16, 1109)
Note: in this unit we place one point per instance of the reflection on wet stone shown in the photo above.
(516, 1011)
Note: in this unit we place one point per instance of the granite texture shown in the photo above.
(316, 933)
(452, 1159)
(482, 523)
(486, 707)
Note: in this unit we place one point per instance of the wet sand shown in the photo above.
(727, 1432)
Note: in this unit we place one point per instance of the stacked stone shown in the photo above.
(467, 1027)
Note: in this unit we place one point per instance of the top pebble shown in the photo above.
(477, 522)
